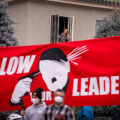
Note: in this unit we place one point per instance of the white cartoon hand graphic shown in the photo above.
(22, 87)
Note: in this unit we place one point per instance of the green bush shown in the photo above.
(6, 29)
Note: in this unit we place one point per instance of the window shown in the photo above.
(98, 24)
(58, 24)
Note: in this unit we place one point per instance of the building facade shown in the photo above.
(41, 21)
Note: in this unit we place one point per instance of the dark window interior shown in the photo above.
(58, 24)
(63, 23)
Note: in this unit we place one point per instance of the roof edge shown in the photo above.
(82, 3)
(73, 2)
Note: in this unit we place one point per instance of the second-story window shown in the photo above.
(60, 25)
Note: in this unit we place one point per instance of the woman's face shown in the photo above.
(54, 73)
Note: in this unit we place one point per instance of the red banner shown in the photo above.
(88, 71)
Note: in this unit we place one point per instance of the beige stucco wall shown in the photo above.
(18, 12)
(85, 21)
(34, 20)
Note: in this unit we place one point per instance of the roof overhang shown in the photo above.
(82, 3)
(72, 2)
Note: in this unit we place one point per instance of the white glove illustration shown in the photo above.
(21, 88)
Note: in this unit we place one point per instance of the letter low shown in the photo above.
(11, 68)
(16, 64)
